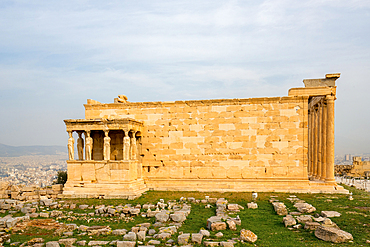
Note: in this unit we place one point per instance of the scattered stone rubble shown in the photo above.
(169, 216)
(27, 193)
(325, 229)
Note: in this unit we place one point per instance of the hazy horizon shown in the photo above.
(56, 55)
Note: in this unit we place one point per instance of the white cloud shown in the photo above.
(58, 54)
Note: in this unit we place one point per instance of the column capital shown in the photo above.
(330, 98)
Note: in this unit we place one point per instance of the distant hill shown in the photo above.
(11, 151)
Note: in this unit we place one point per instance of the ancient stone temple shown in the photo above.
(282, 144)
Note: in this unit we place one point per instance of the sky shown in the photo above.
(54, 55)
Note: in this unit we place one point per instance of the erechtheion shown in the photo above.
(282, 144)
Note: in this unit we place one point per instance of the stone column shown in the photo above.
(330, 140)
(126, 146)
(80, 146)
(319, 132)
(314, 135)
(310, 142)
(89, 146)
(323, 146)
(71, 146)
(133, 146)
(106, 151)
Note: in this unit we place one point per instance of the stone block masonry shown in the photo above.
(257, 144)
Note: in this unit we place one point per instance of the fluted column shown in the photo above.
(330, 140)
(314, 158)
(319, 132)
(310, 114)
(323, 142)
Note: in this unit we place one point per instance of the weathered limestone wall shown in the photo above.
(260, 139)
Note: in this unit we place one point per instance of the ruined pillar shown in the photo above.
(126, 146)
(80, 146)
(71, 146)
(88, 145)
(330, 140)
(106, 151)
(323, 142)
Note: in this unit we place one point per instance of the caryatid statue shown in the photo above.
(106, 146)
(126, 146)
(89, 145)
(71, 146)
(80, 146)
(133, 147)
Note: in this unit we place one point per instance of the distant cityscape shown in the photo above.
(348, 158)
(38, 170)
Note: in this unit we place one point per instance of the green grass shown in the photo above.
(262, 221)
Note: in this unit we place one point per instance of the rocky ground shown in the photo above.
(160, 221)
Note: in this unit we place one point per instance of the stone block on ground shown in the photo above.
(211, 220)
(218, 226)
(67, 241)
(141, 235)
(52, 244)
(135, 211)
(328, 223)
(154, 242)
(304, 207)
(227, 244)
(280, 208)
(44, 215)
(205, 233)
(233, 207)
(231, 224)
(119, 232)
(126, 243)
(247, 235)
(330, 214)
(97, 243)
(178, 217)
(289, 221)
(131, 236)
(81, 243)
(183, 239)
(196, 238)
(162, 217)
(252, 205)
(311, 225)
(304, 218)
(332, 234)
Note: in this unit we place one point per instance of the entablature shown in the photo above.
(125, 124)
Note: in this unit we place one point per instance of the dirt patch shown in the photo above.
(46, 224)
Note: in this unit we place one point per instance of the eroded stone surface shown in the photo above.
(247, 235)
(332, 234)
